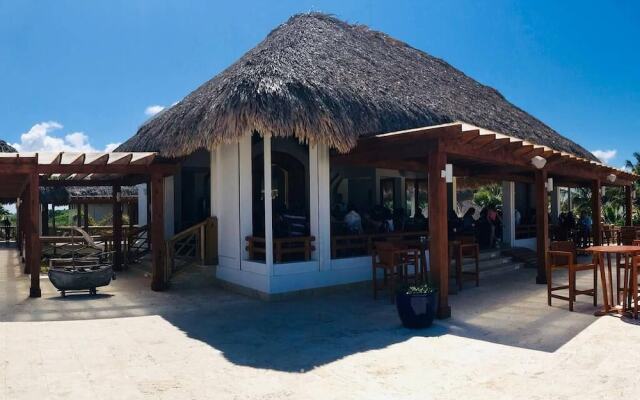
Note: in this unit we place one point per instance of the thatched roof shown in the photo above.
(320, 79)
(63, 195)
(6, 147)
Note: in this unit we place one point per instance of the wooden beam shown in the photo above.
(117, 228)
(628, 205)
(542, 224)
(438, 232)
(158, 281)
(34, 236)
(163, 169)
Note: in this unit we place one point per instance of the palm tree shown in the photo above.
(635, 168)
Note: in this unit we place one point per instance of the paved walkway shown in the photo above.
(199, 342)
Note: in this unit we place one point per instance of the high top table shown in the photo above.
(628, 252)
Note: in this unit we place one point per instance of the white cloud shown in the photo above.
(153, 110)
(40, 138)
(111, 147)
(605, 155)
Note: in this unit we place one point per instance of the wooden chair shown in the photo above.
(467, 249)
(628, 237)
(394, 259)
(607, 234)
(563, 255)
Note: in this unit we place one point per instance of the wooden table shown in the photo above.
(598, 252)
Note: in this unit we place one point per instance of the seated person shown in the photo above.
(353, 221)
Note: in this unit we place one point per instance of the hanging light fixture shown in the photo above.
(538, 162)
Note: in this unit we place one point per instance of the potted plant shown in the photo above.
(417, 305)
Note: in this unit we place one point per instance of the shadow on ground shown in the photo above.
(299, 334)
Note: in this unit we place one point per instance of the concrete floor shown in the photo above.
(200, 342)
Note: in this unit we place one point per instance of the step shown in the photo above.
(501, 269)
(486, 263)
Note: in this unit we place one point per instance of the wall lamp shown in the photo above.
(549, 185)
(611, 178)
(447, 173)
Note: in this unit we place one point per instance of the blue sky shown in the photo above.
(86, 74)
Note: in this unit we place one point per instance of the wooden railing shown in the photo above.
(362, 245)
(190, 245)
(284, 249)
(137, 243)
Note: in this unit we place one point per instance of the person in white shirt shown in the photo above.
(353, 221)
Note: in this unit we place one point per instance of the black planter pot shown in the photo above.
(416, 310)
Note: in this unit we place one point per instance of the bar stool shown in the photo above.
(394, 259)
(467, 249)
(628, 237)
(563, 255)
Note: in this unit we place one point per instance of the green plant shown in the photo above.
(613, 214)
(421, 289)
(488, 196)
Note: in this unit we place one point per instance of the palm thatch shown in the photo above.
(64, 195)
(320, 79)
(6, 147)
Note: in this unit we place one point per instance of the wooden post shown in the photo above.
(53, 219)
(158, 281)
(596, 211)
(85, 216)
(34, 253)
(117, 227)
(211, 238)
(26, 228)
(439, 241)
(542, 224)
(19, 222)
(79, 215)
(628, 206)
(44, 216)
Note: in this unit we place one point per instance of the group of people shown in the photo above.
(487, 228)
(580, 230)
(349, 220)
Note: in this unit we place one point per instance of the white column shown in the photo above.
(213, 182)
(508, 213)
(268, 216)
(142, 204)
(320, 204)
(314, 205)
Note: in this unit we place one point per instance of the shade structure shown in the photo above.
(22, 174)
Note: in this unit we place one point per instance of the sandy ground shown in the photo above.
(197, 341)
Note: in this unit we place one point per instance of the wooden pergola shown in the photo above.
(477, 152)
(21, 175)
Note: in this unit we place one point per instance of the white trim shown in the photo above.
(293, 268)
